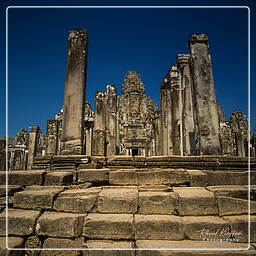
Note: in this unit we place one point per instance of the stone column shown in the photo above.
(111, 116)
(32, 145)
(99, 132)
(74, 95)
(166, 119)
(183, 61)
(52, 137)
(206, 108)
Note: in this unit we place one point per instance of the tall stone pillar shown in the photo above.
(111, 120)
(206, 107)
(52, 137)
(74, 95)
(99, 132)
(32, 145)
(166, 119)
(183, 62)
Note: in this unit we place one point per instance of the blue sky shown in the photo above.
(144, 40)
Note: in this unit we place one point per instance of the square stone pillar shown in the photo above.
(111, 120)
(72, 136)
(32, 145)
(99, 132)
(52, 137)
(188, 123)
(206, 107)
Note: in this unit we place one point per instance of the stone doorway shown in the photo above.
(135, 151)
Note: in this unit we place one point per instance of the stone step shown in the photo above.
(208, 230)
(145, 199)
(25, 178)
(192, 248)
(37, 199)
(160, 176)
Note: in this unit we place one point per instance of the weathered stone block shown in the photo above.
(93, 175)
(13, 242)
(35, 199)
(106, 244)
(227, 177)
(62, 243)
(64, 225)
(34, 177)
(178, 246)
(195, 201)
(76, 200)
(20, 222)
(230, 191)
(118, 200)
(158, 227)
(123, 177)
(240, 229)
(205, 227)
(152, 202)
(197, 178)
(162, 176)
(11, 189)
(58, 178)
(155, 188)
(233, 206)
(108, 226)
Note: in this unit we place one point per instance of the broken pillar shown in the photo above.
(32, 145)
(206, 108)
(52, 137)
(74, 95)
(188, 123)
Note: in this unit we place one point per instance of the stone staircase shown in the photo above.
(151, 211)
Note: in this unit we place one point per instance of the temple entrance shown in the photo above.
(135, 151)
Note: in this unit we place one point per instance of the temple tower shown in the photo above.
(72, 136)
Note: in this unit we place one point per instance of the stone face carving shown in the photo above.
(137, 117)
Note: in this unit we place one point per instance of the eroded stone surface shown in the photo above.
(35, 199)
(77, 200)
(158, 227)
(13, 242)
(106, 244)
(58, 178)
(203, 227)
(20, 222)
(93, 175)
(195, 201)
(118, 200)
(152, 202)
(64, 225)
(62, 243)
(108, 226)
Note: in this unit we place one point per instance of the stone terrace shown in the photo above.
(127, 203)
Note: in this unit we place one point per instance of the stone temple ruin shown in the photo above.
(131, 176)
(188, 123)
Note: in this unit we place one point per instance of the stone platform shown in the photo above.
(129, 208)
